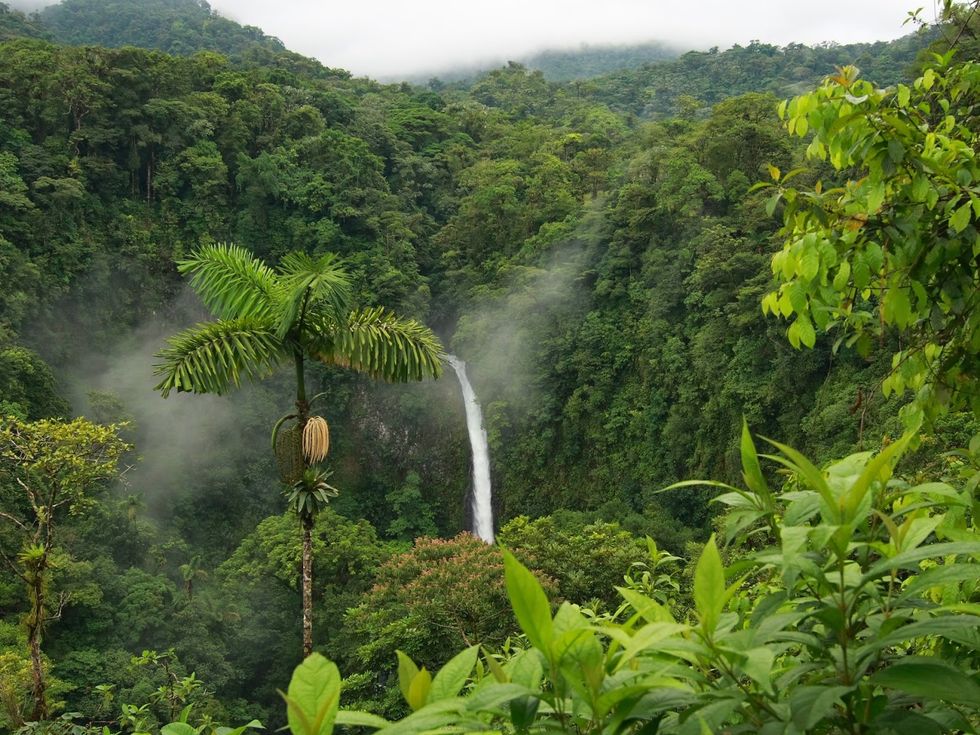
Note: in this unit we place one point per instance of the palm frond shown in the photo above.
(379, 343)
(314, 284)
(212, 357)
(231, 281)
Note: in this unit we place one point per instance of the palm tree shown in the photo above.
(190, 572)
(266, 317)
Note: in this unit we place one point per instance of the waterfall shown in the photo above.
(482, 508)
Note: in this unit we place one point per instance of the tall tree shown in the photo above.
(48, 469)
(301, 311)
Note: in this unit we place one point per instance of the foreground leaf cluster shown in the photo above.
(849, 604)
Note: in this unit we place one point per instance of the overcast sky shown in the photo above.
(391, 38)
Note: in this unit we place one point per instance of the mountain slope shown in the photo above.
(562, 65)
(707, 77)
(179, 27)
(14, 24)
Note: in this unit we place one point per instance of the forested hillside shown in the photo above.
(563, 65)
(595, 250)
(592, 61)
(674, 88)
(14, 24)
(176, 26)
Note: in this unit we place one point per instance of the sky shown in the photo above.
(399, 38)
(393, 38)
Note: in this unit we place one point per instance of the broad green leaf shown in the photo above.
(876, 196)
(449, 680)
(495, 668)
(910, 559)
(709, 586)
(356, 718)
(946, 626)
(796, 292)
(407, 671)
(810, 263)
(523, 710)
(526, 669)
(648, 609)
(899, 307)
(793, 334)
(177, 728)
(645, 638)
(896, 151)
(568, 617)
(903, 95)
(418, 690)
(758, 664)
(493, 696)
(580, 655)
(529, 602)
(916, 530)
(771, 203)
(799, 464)
(429, 718)
(960, 218)
(805, 331)
(251, 725)
(878, 469)
(811, 704)
(862, 271)
(313, 696)
(930, 678)
(937, 577)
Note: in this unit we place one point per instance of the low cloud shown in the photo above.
(392, 38)
(396, 39)
(185, 444)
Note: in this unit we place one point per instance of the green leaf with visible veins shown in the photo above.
(529, 602)
(930, 678)
(313, 697)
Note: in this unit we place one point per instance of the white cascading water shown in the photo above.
(482, 505)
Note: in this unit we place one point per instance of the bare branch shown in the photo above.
(16, 521)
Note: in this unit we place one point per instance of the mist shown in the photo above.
(396, 40)
(187, 444)
(501, 337)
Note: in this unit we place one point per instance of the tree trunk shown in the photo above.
(307, 586)
(149, 178)
(34, 624)
(302, 415)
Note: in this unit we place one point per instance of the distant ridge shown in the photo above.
(179, 27)
(592, 60)
(560, 65)
(667, 88)
(647, 80)
(15, 24)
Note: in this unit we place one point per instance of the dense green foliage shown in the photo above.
(14, 24)
(601, 274)
(175, 26)
(895, 247)
(562, 65)
(301, 311)
(49, 471)
(707, 77)
(845, 610)
(592, 61)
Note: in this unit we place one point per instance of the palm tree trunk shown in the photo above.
(302, 411)
(307, 586)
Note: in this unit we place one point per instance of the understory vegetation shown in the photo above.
(721, 312)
